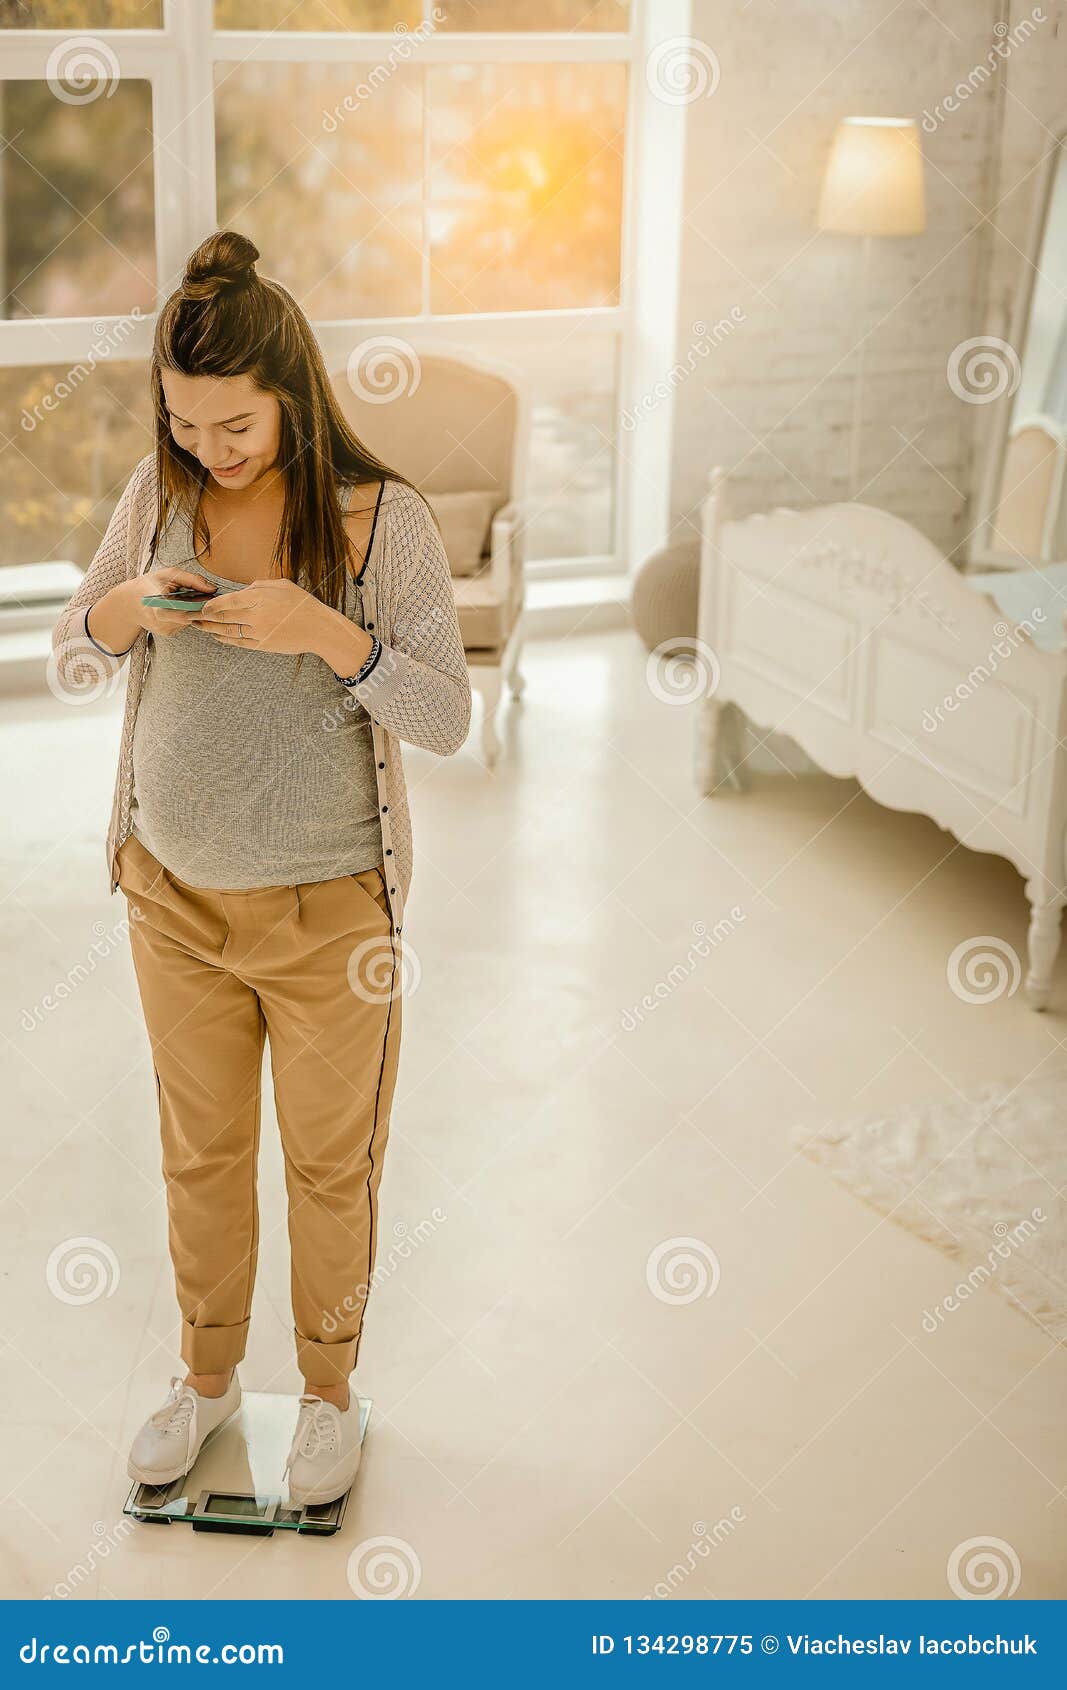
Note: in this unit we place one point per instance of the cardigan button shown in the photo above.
(381, 765)
(384, 808)
(388, 850)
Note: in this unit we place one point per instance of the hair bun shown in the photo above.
(223, 262)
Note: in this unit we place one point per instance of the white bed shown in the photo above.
(846, 629)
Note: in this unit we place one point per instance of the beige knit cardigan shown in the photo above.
(418, 691)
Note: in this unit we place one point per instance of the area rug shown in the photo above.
(983, 1176)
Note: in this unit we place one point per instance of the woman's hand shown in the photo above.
(160, 583)
(266, 616)
(116, 619)
(271, 615)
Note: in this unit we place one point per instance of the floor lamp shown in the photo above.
(873, 186)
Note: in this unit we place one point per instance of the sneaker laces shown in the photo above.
(175, 1417)
(317, 1429)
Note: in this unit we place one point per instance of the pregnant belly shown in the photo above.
(276, 792)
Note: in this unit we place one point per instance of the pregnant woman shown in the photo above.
(260, 828)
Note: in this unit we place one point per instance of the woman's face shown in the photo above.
(230, 424)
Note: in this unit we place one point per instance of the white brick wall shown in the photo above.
(773, 401)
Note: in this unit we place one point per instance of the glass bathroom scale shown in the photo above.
(238, 1482)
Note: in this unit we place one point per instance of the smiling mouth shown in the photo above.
(230, 469)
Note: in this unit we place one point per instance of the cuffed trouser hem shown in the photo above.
(213, 1349)
(324, 1364)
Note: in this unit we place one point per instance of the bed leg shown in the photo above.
(719, 747)
(1043, 940)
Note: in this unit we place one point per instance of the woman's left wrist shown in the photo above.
(342, 645)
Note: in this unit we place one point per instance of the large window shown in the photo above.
(450, 173)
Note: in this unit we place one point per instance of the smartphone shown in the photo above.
(181, 598)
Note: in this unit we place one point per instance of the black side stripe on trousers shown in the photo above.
(370, 1152)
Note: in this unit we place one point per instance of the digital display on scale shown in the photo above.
(240, 1507)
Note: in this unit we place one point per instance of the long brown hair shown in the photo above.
(226, 320)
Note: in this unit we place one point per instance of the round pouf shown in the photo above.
(666, 590)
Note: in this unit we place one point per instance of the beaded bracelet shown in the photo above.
(362, 673)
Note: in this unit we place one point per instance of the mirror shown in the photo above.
(1024, 515)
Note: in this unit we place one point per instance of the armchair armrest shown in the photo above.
(505, 552)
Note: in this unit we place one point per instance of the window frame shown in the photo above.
(178, 61)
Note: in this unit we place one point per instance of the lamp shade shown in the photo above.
(874, 179)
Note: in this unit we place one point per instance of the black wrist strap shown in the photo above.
(96, 643)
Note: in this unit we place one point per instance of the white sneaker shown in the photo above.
(324, 1457)
(171, 1439)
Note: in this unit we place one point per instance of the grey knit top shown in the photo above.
(250, 768)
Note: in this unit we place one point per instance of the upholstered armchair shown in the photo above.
(459, 433)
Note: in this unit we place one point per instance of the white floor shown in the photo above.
(544, 1425)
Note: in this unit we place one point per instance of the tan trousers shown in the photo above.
(314, 968)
